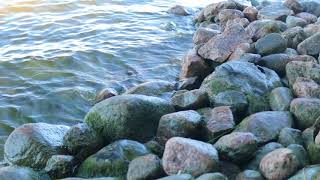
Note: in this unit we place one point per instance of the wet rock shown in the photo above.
(249, 175)
(312, 7)
(308, 70)
(120, 116)
(260, 28)
(271, 44)
(304, 87)
(186, 155)
(156, 88)
(178, 177)
(105, 94)
(310, 46)
(194, 99)
(310, 18)
(237, 146)
(289, 136)
(294, 36)
(203, 35)
(279, 164)
(276, 62)
(212, 176)
(179, 10)
(220, 122)
(232, 36)
(33, 144)
(60, 166)
(236, 100)
(307, 173)
(254, 163)
(254, 82)
(179, 124)
(229, 169)
(293, 5)
(229, 14)
(274, 12)
(112, 160)
(81, 141)
(306, 111)
(280, 99)
(293, 21)
(145, 167)
(250, 13)
(21, 173)
(301, 154)
(267, 125)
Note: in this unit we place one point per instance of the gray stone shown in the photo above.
(310, 70)
(178, 177)
(105, 94)
(310, 18)
(250, 13)
(276, 62)
(249, 175)
(301, 154)
(229, 14)
(304, 87)
(212, 176)
(236, 100)
(194, 99)
(260, 28)
(311, 30)
(280, 99)
(60, 166)
(308, 173)
(293, 21)
(156, 88)
(179, 10)
(294, 36)
(274, 12)
(203, 35)
(293, 5)
(21, 173)
(271, 44)
(310, 46)
(290, 136)
(312, 7)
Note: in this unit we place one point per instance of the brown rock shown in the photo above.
(229, 14)
(203, 35)
(194, 99)
(250, 13)
(244, 22)
(304, 58)
(304, 87)
(240, 51)
(194, 66)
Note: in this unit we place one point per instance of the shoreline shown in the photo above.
(247, 105)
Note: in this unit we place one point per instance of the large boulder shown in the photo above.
(21, 173)
(33, 144)
(119, 117)
(271, 44)
(310, 70)
(310, 46)
(232, 36)
(306, 111)
(280, 99)
(260, 28)
(254, 82)
(112, 160)
(184, 155)
(274, 12)
(267, 125)
(157, 88)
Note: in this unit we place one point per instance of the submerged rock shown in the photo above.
(120, 116)
(33, 144)
(179, 10)
(105, 94)
(21, 173)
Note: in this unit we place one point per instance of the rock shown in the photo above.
(291, 52)
(251, 58)
(237, 146)
(244, 22)
(312, 7)
(33, 144)
(271, 44)
(105, 94)
(154, 147)
(214, 26)
(267, 125)
(112, 160)
(82, 141)
(203, 35)
(308, 136)
(120, 116)
(310, 46)
(179, 124)
(101, 178)
(311, 30)
(308, 70)
(254, 163)
(274, 12)
(240, 50)
(306, 111)
(276, 62)
(229, 169)
(280, 99)
(250, 13)
(279, 164)
(254, 82)
(304, 87)
(293, 21)
(212, 176)
(156, 88)
(194, 99)
(229, 14)
(236, 100)
(186, 155)
(178, 177)
(21, 173)
(232, 36)
(310, 18)
(189, 83)
(249, 175)
(294, 36)
(212, 10)
(305, 58)
(60, 166)
(179, 10)
(289, 136)
(314, 153)
(308, 173)
(221, 122)
(293, 5)
(260, 28)
(317, 139)
(145, 167)
(199, 17)
(301, 154)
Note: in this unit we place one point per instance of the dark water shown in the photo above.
(55, 55)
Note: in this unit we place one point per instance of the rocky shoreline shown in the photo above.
(246, 106)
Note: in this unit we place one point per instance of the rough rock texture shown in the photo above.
(276, 62)
(271, 44)
(294, 36)
(179, 124)
(280, 99)
(250, 13)
(236, 100)
(267, 125)
(21, 173)
(310, 46)
(185, 100)
(157, 88)
(237, 146)
(212, 176)
(33, 144)
(213, 9)
(112, 160)
(255, 82)
(189, 156)
(279, 164)
(179, 10)
(289, 136)
(260, 28)
(203, 35)
(274, 12)
(312, 7)
(314, 153)
(249, 175)
(306, 111)
(60, 166)
(220, 47)
(304, 87)
(308, 70)
(120, 116)
(145, 167)
(308, 173)
(229, 14)
(310, 18)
